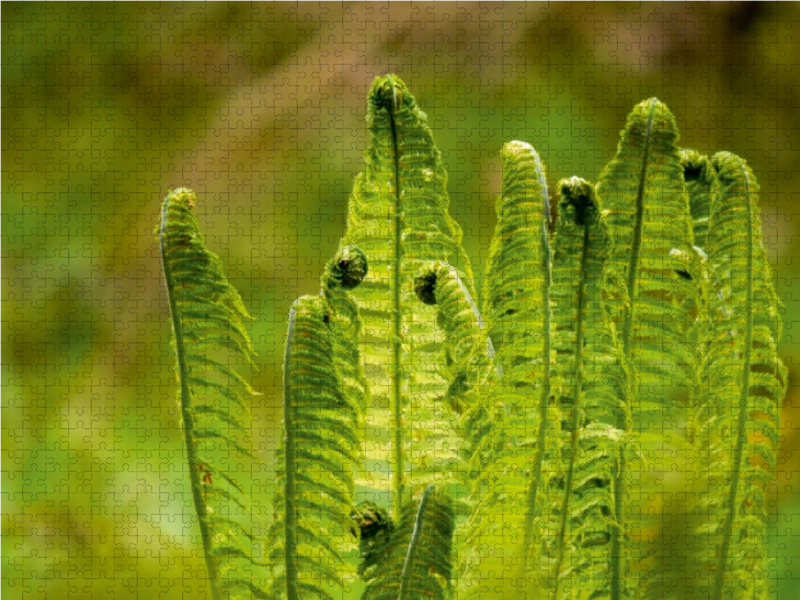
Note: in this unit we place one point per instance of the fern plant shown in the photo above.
(514, 450)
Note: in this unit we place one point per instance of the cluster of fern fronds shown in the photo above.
(605, 424)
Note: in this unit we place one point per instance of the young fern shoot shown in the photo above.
(746, 380)
(591, 397)
(323, 407)
(208, 323)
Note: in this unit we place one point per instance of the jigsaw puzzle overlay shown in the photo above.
(268, 113)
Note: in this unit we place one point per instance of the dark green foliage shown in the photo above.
(208, 323)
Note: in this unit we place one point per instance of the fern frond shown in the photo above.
(644, 199)
(415, 563)
(316, 464)
(590, 391)
(643, 196)
(209, 335)
(509, 455)
(746, 382)
(398, 215)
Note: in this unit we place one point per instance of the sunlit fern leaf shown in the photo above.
(316, 463)
(644, 199)
(398, 216)
(509, 455)
(590, 390)
(415, 562)
(643, 196)
(210, 339)
(746, 383)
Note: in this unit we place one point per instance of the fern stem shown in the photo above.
(405, 580)
(398, 475)
(186, 403)
(576, 395)
(741, 438)
(544, 400)
(290, 518)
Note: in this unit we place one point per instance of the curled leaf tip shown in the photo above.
(515, 148)
(387, 93)
(652, 117)
(425, 284)
(349, 267)
(726, 164)
(577, 197)
(695, 165)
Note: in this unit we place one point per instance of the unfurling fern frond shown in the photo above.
(468, 352)
(324, 394)
(591, 393)
(643, 198)
(398, 214)
(746, 381)
(414, 560)
(208, 323)
(500, 556)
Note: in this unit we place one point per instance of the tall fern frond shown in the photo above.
(398, 215)
(322, 412)
(500, 557)
(591, 393)
(210, 338)
(746, 382)
(415, 563)
(643, 197)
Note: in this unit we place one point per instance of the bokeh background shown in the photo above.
(259, 108)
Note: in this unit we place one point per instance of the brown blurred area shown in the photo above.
(260, 108)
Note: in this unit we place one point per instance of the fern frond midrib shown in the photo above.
(741, 438)
(186, 403)
(290, 509)
(397, 323)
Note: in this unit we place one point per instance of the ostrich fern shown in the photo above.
(512, 448)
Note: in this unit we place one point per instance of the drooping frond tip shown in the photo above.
(207, 318)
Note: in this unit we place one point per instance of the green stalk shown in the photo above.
(398, 475)
(405, 581)
(289, 466)
(188, 421)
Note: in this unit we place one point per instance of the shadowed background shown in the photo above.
(260, 110)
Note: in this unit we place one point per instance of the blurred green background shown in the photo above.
(260, 110)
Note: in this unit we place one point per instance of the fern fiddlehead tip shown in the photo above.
(577, 197)
(388, 93)
(348, 268)
(425, 284)
(695, 166)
